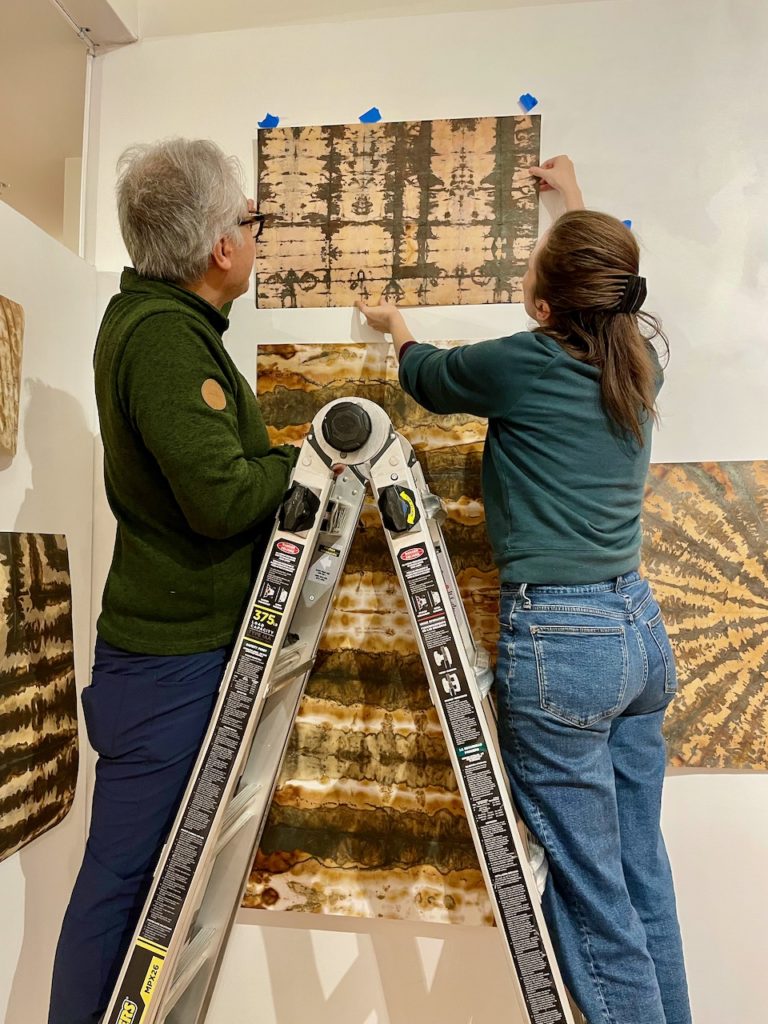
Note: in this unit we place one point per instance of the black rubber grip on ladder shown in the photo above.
(399, 511)
(298, 510)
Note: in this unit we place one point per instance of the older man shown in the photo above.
(193, 484)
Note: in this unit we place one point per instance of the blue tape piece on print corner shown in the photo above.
(371, 116)
(627, 223)
(528, 102)
(270, 121)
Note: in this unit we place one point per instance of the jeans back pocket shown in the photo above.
(582, 671)
(659, 633)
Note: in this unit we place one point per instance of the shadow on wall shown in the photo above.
(393, 977)
(59, 445)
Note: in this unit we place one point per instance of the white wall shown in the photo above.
(47, 488)
(663, 107)
(42, 122)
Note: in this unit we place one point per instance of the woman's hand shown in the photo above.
(559, 175)
(382, 317)
(388, 319)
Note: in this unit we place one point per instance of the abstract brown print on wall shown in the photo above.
(11, 341)
(706, 545)
(415, 212)
(38, 709)
(367, 819)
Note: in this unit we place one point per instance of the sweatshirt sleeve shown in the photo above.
(196, 442)
(484, 379)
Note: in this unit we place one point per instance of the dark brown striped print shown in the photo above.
(38, 705)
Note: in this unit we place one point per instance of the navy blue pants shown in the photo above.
(146, 716)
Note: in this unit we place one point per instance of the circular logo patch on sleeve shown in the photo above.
(213, 394)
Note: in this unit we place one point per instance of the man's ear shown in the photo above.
(221, 254)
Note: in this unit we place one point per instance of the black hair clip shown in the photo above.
(633, 296)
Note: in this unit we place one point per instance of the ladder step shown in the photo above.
(239, 812)
(291, 663)
(191, 959)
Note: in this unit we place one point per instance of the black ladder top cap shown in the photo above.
(346, 427)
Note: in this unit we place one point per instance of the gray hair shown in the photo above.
(175, 200)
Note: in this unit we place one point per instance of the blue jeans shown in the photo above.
(584, 676)
(146, 717)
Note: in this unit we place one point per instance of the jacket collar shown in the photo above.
(134, 283)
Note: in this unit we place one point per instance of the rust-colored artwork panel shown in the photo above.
(706, 538)
(415, 212)
(11, 344)
(38, 704)
(367, 819)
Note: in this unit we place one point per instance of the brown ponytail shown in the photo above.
(581, 271)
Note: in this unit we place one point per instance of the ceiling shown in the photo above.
(182, 17)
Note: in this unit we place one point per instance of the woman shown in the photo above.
(585, 670)
(194, 485)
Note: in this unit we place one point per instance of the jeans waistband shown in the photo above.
(618, 583)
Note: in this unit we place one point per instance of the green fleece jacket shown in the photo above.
(189, 472)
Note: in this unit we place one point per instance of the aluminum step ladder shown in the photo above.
(171, 967)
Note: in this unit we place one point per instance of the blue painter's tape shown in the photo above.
(527, 101)
(270, 121)
(627, 223)
(371, 116)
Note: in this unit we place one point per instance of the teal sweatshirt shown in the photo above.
(188, 468)
(562, 489)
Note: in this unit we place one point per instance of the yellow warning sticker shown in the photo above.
(408, 500)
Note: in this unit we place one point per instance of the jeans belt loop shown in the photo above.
(523, 597)
(619, 583)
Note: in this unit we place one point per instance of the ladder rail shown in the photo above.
(230, 874)
(185, 862)
(449, 656)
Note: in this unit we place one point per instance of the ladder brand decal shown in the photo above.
(128, 1012)
(151, 978)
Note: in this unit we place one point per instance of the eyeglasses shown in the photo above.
(255, 221)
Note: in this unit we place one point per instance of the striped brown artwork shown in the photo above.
(11, 342)
(367, 819)
(38, 704)
(706, 539)
(418, 212)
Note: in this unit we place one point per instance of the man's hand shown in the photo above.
(559, 175)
